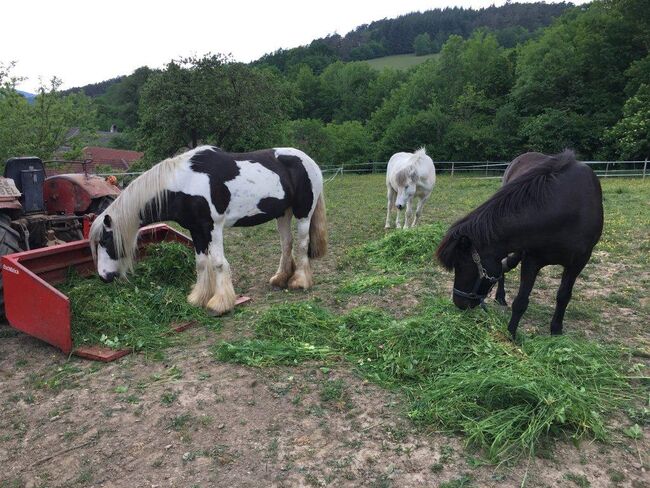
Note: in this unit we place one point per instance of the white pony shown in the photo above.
(409, 175)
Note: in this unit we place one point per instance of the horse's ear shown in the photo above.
(107, 221)
(464, 244)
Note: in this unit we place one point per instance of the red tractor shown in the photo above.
(36, 211)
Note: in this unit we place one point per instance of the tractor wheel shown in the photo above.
(9, 244)
(100, 204)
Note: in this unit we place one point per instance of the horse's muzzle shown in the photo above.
(109, 277)
(399, 207)
(465, 303)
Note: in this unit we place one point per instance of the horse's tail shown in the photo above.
(318, 230)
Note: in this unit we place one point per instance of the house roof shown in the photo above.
(116, 158)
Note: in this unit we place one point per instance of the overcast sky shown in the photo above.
(85, 41)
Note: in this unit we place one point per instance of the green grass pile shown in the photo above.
(458, 370)
(136, 313)
(400, 248)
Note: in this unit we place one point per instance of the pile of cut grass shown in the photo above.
(458, 370)
(137, 313)
(400, 249)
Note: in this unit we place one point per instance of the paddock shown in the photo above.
(179, 417)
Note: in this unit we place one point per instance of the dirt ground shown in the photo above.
(190, 421)
(183, 419)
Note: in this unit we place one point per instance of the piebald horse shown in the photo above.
(408, 175)
(548, 211)
(206, 190)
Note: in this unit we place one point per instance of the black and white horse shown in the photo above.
(206, 190)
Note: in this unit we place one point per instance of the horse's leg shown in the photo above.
(508, 263)
(397, 222)
(408, 217)
(500, 296)
(418, 210)
(302, 276)
(203, 289)
(391, 205)
(223, 299)
(529, 269)
(564, 295)
(287, 266)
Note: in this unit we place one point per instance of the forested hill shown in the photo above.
(513, 23)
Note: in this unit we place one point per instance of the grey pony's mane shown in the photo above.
(125, 211)
(402, 177)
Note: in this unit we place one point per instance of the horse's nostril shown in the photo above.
(108, 278)
(400, 207)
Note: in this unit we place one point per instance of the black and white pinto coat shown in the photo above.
(206, 190)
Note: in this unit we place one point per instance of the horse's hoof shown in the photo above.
(502, 302)
(279, 280)
(220, 304)
(299, 282)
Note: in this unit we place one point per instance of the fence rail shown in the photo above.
(495, 169)
(461, 169)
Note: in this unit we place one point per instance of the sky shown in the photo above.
(86, 41)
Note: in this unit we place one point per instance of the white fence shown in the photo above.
(488, 169)
(462, 169)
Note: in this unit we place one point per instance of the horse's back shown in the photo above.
(522, 164)
(574, 195)
(258, 186)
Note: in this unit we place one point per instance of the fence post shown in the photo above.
(486, 169)
(645, 165)
(452, 169)
(606, 169)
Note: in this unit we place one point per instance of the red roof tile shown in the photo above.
(117, 158)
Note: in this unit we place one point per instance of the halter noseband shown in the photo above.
(482, 275)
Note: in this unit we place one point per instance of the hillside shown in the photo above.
(400, 61)
(513, 23)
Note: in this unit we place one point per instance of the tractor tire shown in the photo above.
(9, 244)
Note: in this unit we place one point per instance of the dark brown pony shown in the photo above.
(548, 211)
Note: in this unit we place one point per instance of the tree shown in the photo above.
(42, 127)
(631, 135)
(422, 44)
(211, 100)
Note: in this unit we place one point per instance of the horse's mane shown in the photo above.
(126, 211)
(528, 191)
(402, 176)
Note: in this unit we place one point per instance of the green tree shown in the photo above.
(631, 135)
(422, 44)
(42, 127)
(211, 100)
(350, 143)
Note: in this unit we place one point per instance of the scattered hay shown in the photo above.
(456, 368)
(137, 313)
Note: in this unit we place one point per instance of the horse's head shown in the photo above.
(474, 274)
(104, 249)
(406, 186)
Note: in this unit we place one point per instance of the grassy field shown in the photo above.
(325, 402)
(400, 61)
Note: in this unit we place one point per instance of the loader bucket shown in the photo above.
(34, 306)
